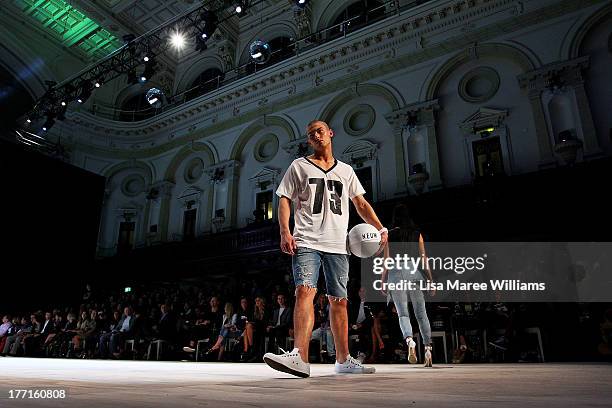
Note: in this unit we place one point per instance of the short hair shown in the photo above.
(312, 122)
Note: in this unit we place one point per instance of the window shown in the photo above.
(126, 237)
(189, 224)
(263, 211)
(488, 160)
(207, 81)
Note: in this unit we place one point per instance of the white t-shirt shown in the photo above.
(321, 201)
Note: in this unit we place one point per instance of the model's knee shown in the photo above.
(337, 302)
(305, 291)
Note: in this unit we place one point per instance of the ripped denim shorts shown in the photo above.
(307, 263)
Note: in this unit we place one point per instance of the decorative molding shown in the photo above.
(265, 177)
(558, 73)
(265, 141)
(360, 152)
(396, 32)
(298, 148)
(361, 109)
(487, 74)
(483, 118)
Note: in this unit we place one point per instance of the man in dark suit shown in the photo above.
(281, 324)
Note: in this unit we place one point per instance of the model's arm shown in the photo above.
(366, 212)
(287, 244)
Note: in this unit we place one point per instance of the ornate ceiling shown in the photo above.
(60, 21)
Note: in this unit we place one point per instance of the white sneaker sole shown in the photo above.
(412, 358)
(283, 368)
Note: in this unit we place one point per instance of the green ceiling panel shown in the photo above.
(70, 27)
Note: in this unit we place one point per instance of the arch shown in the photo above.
(110, 172)
(328, 112)
(268, 33)
(185, 152)
(196, 69)
(573, 43)
(255, 127)
(431, 86)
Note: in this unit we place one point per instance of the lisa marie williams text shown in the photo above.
(500, 284)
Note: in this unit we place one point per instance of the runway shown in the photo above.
(105, 383)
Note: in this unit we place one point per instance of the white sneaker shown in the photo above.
(288, 362)
(412, 358)
(353, 366)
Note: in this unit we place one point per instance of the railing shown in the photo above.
(340, 30)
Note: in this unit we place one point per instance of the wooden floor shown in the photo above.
(98, 383)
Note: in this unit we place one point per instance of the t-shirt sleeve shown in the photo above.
(288, 185)
(354, 187)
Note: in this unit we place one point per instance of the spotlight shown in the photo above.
(98, 83)
(177, 40)
(63, 103)
(28, 120)
(155, 97)
(301, 3)
(146, 59)
(260, 51)
(201, 42)
(61, 115)
(48, 123)
(86, 89)
(240, 6)
(149, 70)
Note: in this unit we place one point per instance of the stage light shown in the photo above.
(63, 103)
(177, 40)
(146, 59)
(260, 51)
(240, 6)
(149, 70)
(301, 3)
(98, 83)
(48, 123)
(155, 97)
(86, 89)
(28, 121)
(61, 115)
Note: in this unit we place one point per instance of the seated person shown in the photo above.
(281, 324)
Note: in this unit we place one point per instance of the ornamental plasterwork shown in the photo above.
(391, 36)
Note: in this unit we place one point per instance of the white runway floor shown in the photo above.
(105, 383)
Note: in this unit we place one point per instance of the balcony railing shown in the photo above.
(340, 30)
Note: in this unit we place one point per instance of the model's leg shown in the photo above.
(418, 303)
(339, 327)
(306, 263)
(303, 318)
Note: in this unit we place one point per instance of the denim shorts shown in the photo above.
(307, 262)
